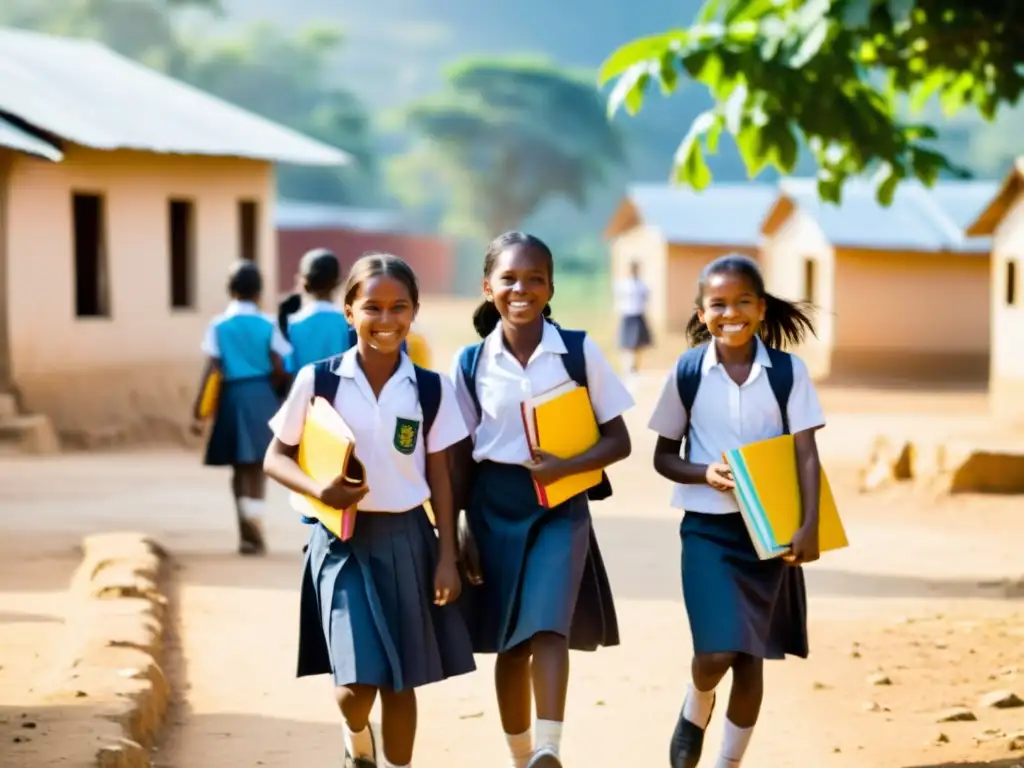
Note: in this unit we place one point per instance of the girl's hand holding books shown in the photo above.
(342, 494)
(805, 546)
(546, 467)
(719, 477)
(468, 552)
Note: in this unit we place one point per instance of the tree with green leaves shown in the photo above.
(842, 77)
(283, 77)
(502, 138)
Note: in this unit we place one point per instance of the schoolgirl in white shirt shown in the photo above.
(742, 388)
(544, 588)
(377, 610)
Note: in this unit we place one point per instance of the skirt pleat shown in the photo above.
(241, 430)
(736, 602)
(542, 568)
(633, 332)
(373, 597)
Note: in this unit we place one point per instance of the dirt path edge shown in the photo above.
(115, 649)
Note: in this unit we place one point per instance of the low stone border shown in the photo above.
(116, 624)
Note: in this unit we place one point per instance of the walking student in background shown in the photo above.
(247, 350)
(631, 296)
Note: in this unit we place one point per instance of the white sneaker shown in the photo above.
(545, 757)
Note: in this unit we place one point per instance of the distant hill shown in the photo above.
(396, 49)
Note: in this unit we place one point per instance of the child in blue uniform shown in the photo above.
(247, 348)
(733, 388)
(544, 588)
(319, 329)
(377, 609)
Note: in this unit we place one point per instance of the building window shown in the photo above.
(181, 245)
(810, 281)
(1011, 283)
(248, 229)
(92, 293)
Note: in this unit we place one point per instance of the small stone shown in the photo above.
(941, 738)
(941, 646)
(871, 706)
(879, 679)
(1001, 700)
(28, 724)
(1016, 743)
(818, 686)
(471, 716)
(956, 715)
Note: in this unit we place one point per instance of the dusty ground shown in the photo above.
(919, 597)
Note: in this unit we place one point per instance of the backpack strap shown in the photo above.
(780, 376)
(575, 360)
(326, 378)
(353, 339)
(688, 376)
(469, 361)
(428, 389)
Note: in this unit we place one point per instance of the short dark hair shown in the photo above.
(785, 322)
(374, 264)
(244, 280)
(320, 271)
(486, 316)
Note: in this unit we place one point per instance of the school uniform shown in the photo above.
(735, 601)
(317, 331)
(241, 340)
(542, 569)
(631, 295)
(368, 612)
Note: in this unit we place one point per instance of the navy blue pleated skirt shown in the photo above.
(736, 602)
(368, 614)
(633, 332)
(542, 568)
(241, 432)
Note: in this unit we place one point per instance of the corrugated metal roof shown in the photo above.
(12, 137)
(722, 214)
(919, 219)
(85, 93)
(298, 214)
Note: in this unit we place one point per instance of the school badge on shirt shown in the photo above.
(406, 433)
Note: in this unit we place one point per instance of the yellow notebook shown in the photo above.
(561, 421)
(768, 493)
(326, 450)
(211, 394)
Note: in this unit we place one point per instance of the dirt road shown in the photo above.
(916, 599)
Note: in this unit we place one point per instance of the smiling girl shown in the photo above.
(377, 609)
(544, 589)
(741, 609)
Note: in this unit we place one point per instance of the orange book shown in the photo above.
(327, 450)
(561, 422)
(211, 394)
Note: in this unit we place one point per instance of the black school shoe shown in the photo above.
(687, 741)
(363, 762)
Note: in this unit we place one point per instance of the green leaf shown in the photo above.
(786, 149)
(927, 164)
(751, 10)
(668, 75)
(753, 149)
(953, 95)
(887, 179)
(709, 12)
(629, 90)
(928, 87)
(638, 51)
(690, 167)
(810, 45)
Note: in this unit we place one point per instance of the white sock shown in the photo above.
(549, 734)
(697, 706)
(252, 509)
(734, 744)
(520, 745)
(359, 744)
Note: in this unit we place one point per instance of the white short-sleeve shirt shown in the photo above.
(502, 384)
(726, 416)
(631, 296)
(397, 481)
(211, 348)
